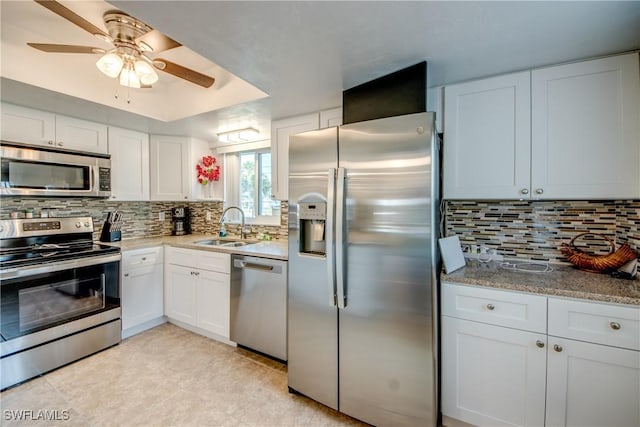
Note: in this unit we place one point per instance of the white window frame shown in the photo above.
(232, 191)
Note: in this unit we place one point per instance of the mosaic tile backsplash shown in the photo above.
(140, 219)
(534, 230)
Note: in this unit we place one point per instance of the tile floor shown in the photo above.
(167, 376)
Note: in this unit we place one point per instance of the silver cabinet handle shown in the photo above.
(126, 274)
(60, 144)
(50, 142)
(144, 258)
(490, 306)
(615, 326)
(557, 347)
(539, 191)
(540, 343)
(524, 191)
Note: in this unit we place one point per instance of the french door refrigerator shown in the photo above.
(363, 224)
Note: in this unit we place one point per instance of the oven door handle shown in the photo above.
(12, 273)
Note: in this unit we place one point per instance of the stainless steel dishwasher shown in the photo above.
(259, 304)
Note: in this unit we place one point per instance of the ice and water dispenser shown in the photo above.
(313, 218)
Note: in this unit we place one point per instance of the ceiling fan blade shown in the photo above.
(183, 72)
(71, 16)
(157, 41)
(65, 48)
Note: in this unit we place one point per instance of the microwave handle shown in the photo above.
(93, 178)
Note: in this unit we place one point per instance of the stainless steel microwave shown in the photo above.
(29, 170)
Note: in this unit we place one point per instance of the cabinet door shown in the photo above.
(280, 132)
(180, 294)
(142, 295)
(129, 164)
(492, 376)
(168, 164)
(213, 302)
(585, 130)
(83, 135)
(20, 124)
(592, 385)
(487, 138)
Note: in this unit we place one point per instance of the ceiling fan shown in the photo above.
(132, 40)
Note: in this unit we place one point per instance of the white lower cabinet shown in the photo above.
(142, 290)
(495, 374)
(197, 290)
(592, 385)
(492, 375)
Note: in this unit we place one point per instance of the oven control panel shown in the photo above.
(41, 226)
(31, 227)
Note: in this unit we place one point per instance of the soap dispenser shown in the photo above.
(223, 231)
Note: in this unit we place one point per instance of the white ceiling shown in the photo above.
(303, 54)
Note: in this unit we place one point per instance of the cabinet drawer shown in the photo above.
(204, 260)
(502, 308)
(607, 324)
(140, 257)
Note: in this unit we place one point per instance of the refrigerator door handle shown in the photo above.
(331, 202)
(340, 194)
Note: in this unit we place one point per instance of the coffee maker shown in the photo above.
(181, 221)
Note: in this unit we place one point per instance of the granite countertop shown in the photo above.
(274, 249)
(564, 281)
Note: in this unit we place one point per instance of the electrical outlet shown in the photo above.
(208, 215)
(161, 216)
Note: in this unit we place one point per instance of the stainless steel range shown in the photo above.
(60, 295)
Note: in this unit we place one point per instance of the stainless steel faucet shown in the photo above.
(242, 230)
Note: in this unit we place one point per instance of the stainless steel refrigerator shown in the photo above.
(363, 227)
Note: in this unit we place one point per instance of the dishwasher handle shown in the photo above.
(239, 263)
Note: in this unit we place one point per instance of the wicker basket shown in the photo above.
(598, 263)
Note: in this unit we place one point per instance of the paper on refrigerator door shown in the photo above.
(451, 252)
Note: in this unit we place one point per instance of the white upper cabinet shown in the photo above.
(169, 167)
(331, 118)
(77, 134)
(20, 124)
(487, 138)
(585, 129)
(129, 164)
(564, 132)
(280, 132)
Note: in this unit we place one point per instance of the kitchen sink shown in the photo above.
(221, 242)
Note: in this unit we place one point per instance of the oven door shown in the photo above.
(43, 298)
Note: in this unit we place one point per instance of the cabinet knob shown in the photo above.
(144, 258)
(50, 142)
(557, 347)
(185, 197)
(126, 274)
(539, 191)
(615, 326)
(540, 343)
(60, 144)
(524, 191)
(113, 197)
(490, 306)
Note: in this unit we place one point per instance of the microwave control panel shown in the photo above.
(105, 179)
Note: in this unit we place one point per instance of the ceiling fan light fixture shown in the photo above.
(110, 64)
(145, 72)
(129, 78)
